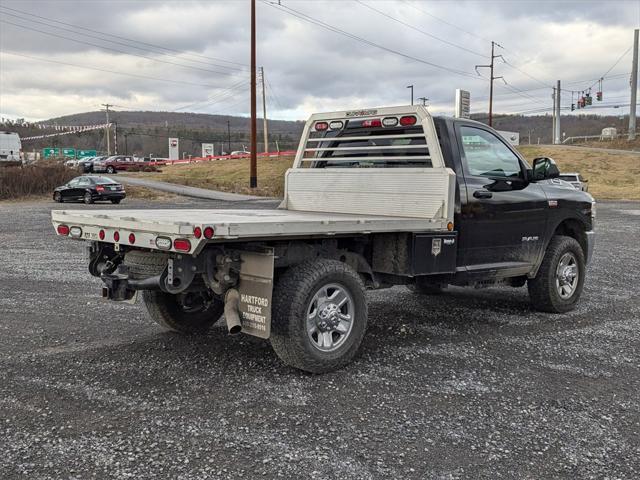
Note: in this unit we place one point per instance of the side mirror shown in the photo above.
(544, 168)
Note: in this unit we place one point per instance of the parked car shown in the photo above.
(240, 153)
(86, 164)
(116, 163)
(90, 188)
(576, 180)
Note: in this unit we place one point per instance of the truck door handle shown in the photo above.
(482, 194)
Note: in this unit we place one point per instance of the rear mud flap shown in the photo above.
(256, 288)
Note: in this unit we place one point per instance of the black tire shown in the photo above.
(292, 297)
(88, 198)
(543, 289)
(116, 201)
(57, 197)
(111, 170)
(423, 287)
(189, 313)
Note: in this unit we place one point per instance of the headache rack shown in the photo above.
(379, 138)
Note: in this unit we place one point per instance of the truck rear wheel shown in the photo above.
(558, 284)
(189, 313)
(319, 316)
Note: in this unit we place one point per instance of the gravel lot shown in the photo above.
(472, 384)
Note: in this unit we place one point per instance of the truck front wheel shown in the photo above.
(188, 313)
(558, 284)
(319, 316)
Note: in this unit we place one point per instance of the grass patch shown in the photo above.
(33, 180)
(227, 175)
(613, 176)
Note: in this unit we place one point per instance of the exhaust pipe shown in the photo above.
(231, 313)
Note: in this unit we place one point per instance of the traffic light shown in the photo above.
(573, 107)
(599, 96)
(588, 99)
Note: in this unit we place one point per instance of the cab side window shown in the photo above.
(487, 155)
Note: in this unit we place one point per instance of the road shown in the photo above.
(193, 192)
(472, 384)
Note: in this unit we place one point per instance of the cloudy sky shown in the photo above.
(66, 56)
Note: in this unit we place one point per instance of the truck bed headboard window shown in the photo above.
(358, 146)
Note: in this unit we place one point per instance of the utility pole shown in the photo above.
(107, 132)
(634, 88)
(553, 124)
(115, 138)
(491, 77)
(557, 136)
(126, 148)
(411, 87)
(264, 113)
(228, 137)
(424, 101)
(253, 175)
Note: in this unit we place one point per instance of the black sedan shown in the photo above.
(90, 188)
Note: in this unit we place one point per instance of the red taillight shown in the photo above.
(182, 244)
(208, 232)
(132, 238)
(408, 120)
(100, 188)
(63, 230)
(321, 126)
(116, 236)
(101, 234)
(376, 122)
(197, 232)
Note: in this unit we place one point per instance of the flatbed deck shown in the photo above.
(239, 224)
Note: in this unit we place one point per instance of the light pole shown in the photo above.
(411, 87)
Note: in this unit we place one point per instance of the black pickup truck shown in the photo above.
(375, 198)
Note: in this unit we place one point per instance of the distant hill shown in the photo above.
(146, 132)
(182, 120)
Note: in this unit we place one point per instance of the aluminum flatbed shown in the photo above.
(230, 224)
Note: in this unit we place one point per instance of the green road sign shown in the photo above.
(86, 153)
(69, 152)
(50, 152)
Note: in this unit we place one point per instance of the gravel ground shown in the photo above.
(471, 384)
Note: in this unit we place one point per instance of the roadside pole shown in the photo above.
(228, 137)
(634, 88)
(253, 175)
(491, 77)
(107, 129)
(558, 137)
(553, 116)
(264, 113)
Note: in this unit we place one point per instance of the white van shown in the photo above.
(10, 147)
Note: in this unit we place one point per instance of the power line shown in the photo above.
(217, 96)
(339, 31)
(127, 39)
(114, 49)
(401, 22)
(445, 22)
(112, 41)
(109, 71)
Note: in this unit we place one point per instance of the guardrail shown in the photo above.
(591, 137)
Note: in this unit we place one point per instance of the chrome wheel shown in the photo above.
(330, 317)
(567, 275)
